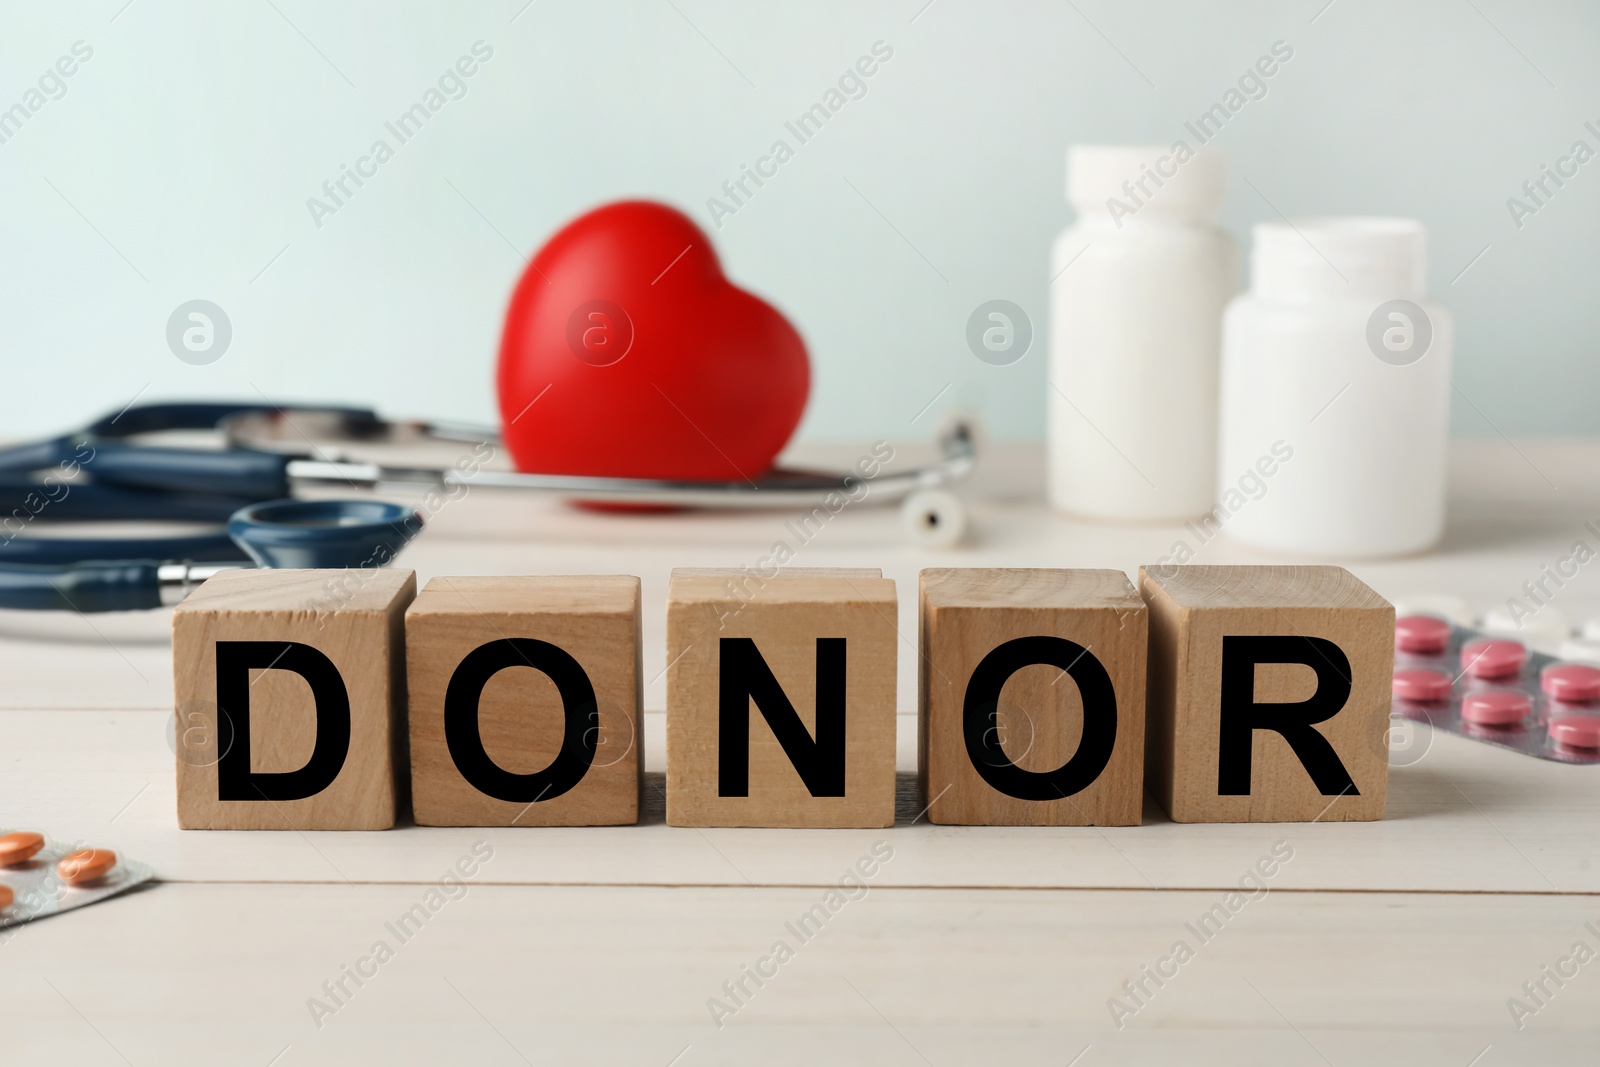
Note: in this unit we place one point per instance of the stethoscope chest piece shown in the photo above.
(323, 533)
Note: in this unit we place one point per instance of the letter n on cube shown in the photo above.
(781, 699)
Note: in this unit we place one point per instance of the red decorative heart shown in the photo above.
(627, 353)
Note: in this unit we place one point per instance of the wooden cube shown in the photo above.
(1031, 697)
(290, 688)
(525, 696)
(780, 699)
(1269, 693)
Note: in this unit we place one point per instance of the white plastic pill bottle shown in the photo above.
(1138, 286)
(1336, 392)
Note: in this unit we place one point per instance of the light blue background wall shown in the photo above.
(178, 163)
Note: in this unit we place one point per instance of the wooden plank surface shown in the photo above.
(1391, 942)
(560, 975)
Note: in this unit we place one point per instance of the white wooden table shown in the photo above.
(1391, 942)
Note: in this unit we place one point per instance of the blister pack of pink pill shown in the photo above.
(40, 878)
(1496, 690)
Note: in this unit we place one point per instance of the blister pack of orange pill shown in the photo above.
(39, 877)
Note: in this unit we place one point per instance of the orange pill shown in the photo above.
(6, 897)
(18, 847)
(86, 865)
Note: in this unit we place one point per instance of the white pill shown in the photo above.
(1439, 605)
(1582, 649)
(1547, 626)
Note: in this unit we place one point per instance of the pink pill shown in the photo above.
(1421, 633)
(1491, 658)
(1421, 685)
(1496, 707)
(1571, 683)
(1578, 731)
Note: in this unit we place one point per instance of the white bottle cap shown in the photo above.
(1362, 257)
(1140, 178)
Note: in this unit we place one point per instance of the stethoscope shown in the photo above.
(271, 452)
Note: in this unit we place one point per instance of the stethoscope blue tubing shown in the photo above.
(136, 483)
(315, 534)
(60, 551)
(24, 496)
